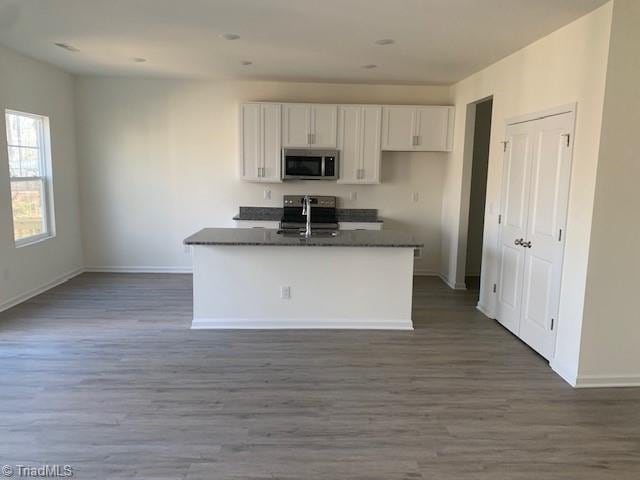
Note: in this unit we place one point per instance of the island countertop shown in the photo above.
(271, 237)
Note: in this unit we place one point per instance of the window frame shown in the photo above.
(45, 177)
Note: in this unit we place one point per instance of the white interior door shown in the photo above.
(548, 201)
(515, 208)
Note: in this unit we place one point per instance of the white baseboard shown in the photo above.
(484, 310)
(607, 381)
(145, 269)
(301, 323)
(452, 285)
(12, 302)
(425, 273)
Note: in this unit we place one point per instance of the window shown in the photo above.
(30, 176)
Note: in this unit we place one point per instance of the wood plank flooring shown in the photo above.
(103, 373)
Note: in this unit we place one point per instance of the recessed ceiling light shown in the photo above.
(66, 46)
(246, 63)
(230, 36)
(368, 66)
(385, 41)
(139, 60)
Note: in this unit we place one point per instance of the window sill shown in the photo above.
(25, 242)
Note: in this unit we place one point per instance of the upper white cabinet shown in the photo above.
(359, 143)
(417, 128)
(309, 125)
(260, 142)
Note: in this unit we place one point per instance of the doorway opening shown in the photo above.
(479, 155)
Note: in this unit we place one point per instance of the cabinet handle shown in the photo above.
(362, 174)
(313, 138)
(259, 172)
(526, 244)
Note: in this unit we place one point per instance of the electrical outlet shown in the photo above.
(353, 196)
(285, 293)
(267, 194)
(416, 196)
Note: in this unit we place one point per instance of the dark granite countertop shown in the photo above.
(271, 237)
(274, 214)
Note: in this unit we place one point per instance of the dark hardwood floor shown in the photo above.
(103, 374)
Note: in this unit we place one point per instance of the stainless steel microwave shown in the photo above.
(309, 164)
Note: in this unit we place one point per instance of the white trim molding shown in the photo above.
(12, 302)
(607, 381)
(141, 269)
(299, 323)
(485, 311)
(567, 375)
(452, 285)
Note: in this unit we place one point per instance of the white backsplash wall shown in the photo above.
(159, 160)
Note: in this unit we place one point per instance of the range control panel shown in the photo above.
(316, 201)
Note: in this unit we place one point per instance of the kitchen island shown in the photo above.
(262, 279)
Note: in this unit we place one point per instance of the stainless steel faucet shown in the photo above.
(306, 210)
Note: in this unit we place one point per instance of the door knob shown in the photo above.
(518, 241)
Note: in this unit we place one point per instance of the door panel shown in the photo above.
(432, 126)
(349, 139)
(271, 142)
(514, 207)
(549, 194)
(371, 125)
(324, 126)
(398, 128)
(250, 152)
(296, 124)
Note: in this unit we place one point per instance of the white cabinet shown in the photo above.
(309, 125)
(260, 142)
(359, 143)
(417, 128)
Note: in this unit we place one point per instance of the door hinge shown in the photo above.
(504, 145)
(560, 235)
(552, 321)
(495, 288)
(499, 219)
(568, 136)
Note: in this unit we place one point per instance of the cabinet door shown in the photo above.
(271, 142)
(296, 125)
(370, 126)
(324, 127)
(250, 151)
(432, 128)
(349, 143)
(398, 128)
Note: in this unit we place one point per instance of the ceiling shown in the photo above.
(436, 41)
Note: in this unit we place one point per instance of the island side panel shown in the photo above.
(331, 287)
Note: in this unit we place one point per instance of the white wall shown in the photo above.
(567, 66)
(609, 353)
(159, 160)
(32, 86)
